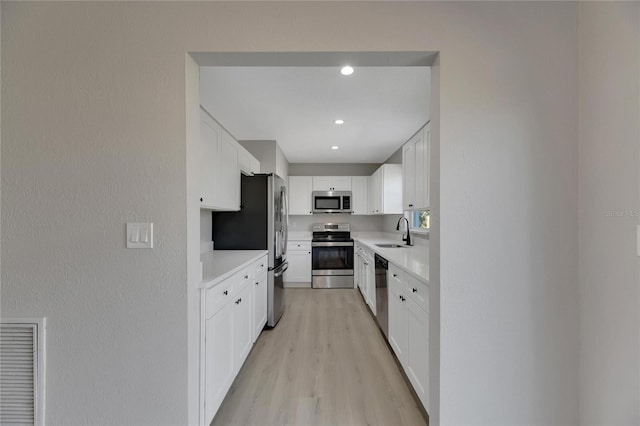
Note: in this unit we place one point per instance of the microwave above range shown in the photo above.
(331, 201)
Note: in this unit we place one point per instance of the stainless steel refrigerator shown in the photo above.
(261, 223)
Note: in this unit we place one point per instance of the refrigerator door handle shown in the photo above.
(285, 213)
(283, 268)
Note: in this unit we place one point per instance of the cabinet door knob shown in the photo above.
(225, 292)
(246, 277)
(257, 282)
(395, 275)
(238, 301)
(410, 205)
(201, 199)
(415, 290)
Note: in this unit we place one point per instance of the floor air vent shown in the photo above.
(21, 371)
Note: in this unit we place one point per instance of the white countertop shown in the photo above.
(219, 265)
(413, 259)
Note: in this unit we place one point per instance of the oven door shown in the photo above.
(332, 258)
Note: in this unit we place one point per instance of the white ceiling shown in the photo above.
(296, 106)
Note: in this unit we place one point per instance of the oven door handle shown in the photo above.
(332, 244)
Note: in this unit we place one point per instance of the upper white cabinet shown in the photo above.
(415, 170)
(359, 194)
(385, 190)
(300, 188)
(332, 183)
(219, 173)
(210, 135)
(248, 164)
(229, 178)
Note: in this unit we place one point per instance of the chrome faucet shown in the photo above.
(407, 240)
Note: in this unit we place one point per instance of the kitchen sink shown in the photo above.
(389, 245)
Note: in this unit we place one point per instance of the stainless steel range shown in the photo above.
(331, 256)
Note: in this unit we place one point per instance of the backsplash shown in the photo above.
(358, 222)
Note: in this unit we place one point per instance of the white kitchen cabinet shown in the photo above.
(409, 173)
(219, 372)
(385, 190)
(234, 313)
(219, 172)
(300, 188)
(260, 298)
(367, 277)
(247, 163)
(417, 360)
(398, 330)
(299, 258)
(242, 326)
(415, 170)
(229, 177)
(409, 328)
(360, 194)
(210, 135)
(332, 183)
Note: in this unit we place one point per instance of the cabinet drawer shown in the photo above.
(418, 291)
(260, 266)
(217, 296)
(396, 275)
(299, 245)
(244, 277)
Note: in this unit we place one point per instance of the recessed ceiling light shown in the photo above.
(346, 70)
(339, 121)
(334, 147)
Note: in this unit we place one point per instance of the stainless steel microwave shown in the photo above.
(331, 201)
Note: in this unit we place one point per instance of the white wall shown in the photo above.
(609, 60)
(94, 136)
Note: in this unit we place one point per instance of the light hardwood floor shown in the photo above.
(325, 363)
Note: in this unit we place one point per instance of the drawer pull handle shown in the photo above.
(415, 290)
(225, 292)
(238, 301)
(257, 282)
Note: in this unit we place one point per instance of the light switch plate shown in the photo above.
(140, 235)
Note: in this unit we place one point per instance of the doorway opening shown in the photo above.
(206, 71)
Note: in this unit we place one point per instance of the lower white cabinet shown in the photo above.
(219, 372)
(398, 331)
(299, 258)
(409, 328)
(366, 276)
(417, 361)
(259, 304)
(242, 326)
(234, 313)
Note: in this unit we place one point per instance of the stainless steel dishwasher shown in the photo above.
(382, 311)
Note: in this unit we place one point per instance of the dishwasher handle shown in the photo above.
(381, 262)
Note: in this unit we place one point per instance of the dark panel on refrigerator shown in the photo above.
(247, 228)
